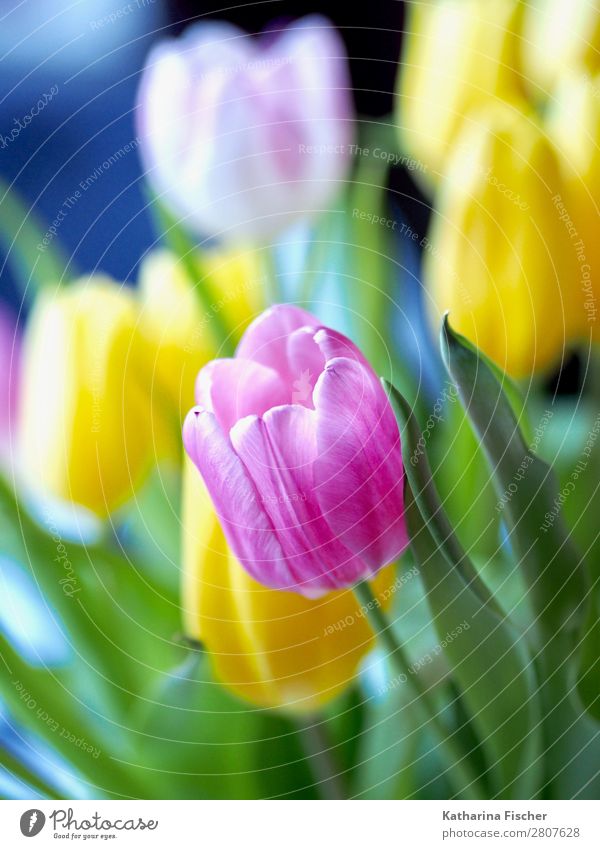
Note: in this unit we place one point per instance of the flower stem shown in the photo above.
(467, 783)
(319, 756)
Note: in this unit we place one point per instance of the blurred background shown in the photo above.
(95, 63)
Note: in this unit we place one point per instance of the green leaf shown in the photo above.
(555, 573)
(490, 664)
(485, 652)
(342, 722)
(572, 444)
(387, 757)
(19, 770)
(461, 473)
(120, 622)
(65, 707)
(201, 742)
(36, 265)
(588, 679)
(419, 475)
(526, 489)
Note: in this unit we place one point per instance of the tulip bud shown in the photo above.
(559, 38)
(458, 55)
(275, 649)
(85, 420)
(498, 257)
(240, 136)
(573, 123)
(300, 451)
(180, 334)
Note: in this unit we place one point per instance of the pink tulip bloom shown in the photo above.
(242, 135)
(300, 452)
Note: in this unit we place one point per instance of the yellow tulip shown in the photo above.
(573, 123)
(458, 55)
(559, 37)
(498, 256)
(272, 648)
(183, 335)
(84, 434)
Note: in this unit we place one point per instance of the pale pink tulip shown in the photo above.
(242, 135)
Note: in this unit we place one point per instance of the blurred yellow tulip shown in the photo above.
(573, 123)
(273, 648)
(559, 37)
(458, 54)
(182, 336)
(84, 423)
(498, 256)
(109, 372)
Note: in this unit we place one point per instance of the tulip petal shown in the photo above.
(265, 340)
(334, 344)
(306, 362)
(245, 522)
(358, 471)
(278, 452)
(234, 388)
(173, 110)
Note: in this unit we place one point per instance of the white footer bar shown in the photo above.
(306, 825)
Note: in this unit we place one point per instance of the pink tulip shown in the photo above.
(300, 451)
(242, 135)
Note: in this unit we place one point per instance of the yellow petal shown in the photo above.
(498, 256)
(573, 122)
(559, 37)
(458, 55)
(84, 423)
(273, 648)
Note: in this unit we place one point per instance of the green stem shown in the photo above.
(467, 782)
(319, 756)
(173, 233)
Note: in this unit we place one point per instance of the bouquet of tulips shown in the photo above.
(305, 513)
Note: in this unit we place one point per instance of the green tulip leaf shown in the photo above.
(62, 706)
(18, 770)
(387, 759)
(419, 476)
(119, 622)
(36, 264)
(490, 664)
(588, 679)
(200, 741)
(526, 489)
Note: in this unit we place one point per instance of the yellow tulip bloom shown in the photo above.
(559, 37)
(84, 432)
(108, 373)
(458, 55)
(573, 123)
(273, 648)
(499, 257)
